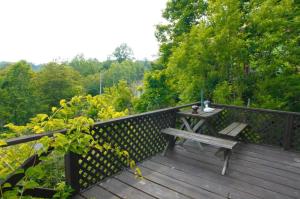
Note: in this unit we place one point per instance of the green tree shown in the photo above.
(122, 53)
(91, 83)
(85, 66)
(225, 93)
(282, 92)
(235, 46)
(157, 93)
(18, 94)
(130, 71)
(273, 37)
(212, 52)
(180, 15)
(56, 82)
(120, 96)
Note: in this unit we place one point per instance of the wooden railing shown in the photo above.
(271, 127)
(140, 136)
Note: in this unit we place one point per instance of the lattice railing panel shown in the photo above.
(140, 136)
(265, 126)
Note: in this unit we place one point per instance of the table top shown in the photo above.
(200, 114)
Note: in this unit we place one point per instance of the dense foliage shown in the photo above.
(18, 94)
(237, 51)
(25, 92)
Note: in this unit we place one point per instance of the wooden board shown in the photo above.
(237, 130)
(150, 187)
(99, 192)
(219, 142)
(210, 171)
(229, 128)
(78, 197)
(123, 190)
(254, 167)
(187, 173)
(242, 173)
(233, 129)
(187, 189)
(197, 180)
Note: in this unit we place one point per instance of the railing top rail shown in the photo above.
(29, 138)
(145, 113)
(258, 109)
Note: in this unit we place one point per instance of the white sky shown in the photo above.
(43, 30)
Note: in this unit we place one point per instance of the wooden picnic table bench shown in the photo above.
(225, 145)
(233, 130)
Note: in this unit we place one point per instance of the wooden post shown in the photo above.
(287, 134)
(202, 100)
(72, 171)
(174, 119)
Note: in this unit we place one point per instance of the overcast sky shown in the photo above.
(40, 31)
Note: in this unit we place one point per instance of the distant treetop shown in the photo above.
(122, 53)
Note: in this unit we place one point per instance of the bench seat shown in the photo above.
(206, 139)
(234, 129)
(225, 145)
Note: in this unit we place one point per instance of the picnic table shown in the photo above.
(191, 130)
(193, 122)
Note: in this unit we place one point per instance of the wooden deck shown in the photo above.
(254, 172)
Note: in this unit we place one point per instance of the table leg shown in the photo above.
(182, 141)
(171, 142)
(227, 154)
(190, 129)
(198, 125)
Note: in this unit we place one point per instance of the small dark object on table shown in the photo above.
(195, 109)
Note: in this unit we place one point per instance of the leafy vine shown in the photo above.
(77, 116)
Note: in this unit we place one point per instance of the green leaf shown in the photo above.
(132, 164)
(42, 117)
(36, 172)
(125, 153)
(6, 185)
(30, 184)
(138, 172)
(19, 171)
(53, 109)
(3, 143)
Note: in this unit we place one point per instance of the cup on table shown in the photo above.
(195, 109)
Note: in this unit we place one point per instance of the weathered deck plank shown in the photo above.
(264, 171)
(99, 192)
(123, 190)
(202, 183)
(174, 184)
(241, 173)
(149, 187)
(281, 167)
(187, 172)
(194, 168)
(289, 159)
(78, 197)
